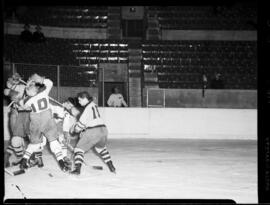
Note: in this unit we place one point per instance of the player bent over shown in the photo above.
(41, 121)
(65, 118)
(18, 119)
(93, 133)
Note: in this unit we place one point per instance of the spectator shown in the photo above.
(38, 36)
(116, 99)
(217, 82)
(26, 34)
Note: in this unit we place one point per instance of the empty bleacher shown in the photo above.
(92, 52)
(181, 64)
(54, 51)
(66, 16)
(165, 64)
(231, 17)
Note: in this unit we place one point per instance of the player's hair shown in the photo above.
(114, 89)
(71, 100)
(85, 94)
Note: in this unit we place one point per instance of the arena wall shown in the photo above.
(193, 98)
(57, 32)
(161, 123)
(209, 35)
(101, 33)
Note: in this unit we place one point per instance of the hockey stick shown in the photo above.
(10, 104)
(18, 172)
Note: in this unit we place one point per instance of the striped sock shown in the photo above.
(59, 156)
(10, 149)
(27, 154)
(64, 150)
(105, 155)
(19, 151)
(38, 154)
(78, 156)
(56, 149)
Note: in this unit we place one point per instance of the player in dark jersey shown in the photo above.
(93, 133)
(18, 120)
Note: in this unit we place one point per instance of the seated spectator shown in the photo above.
(116, 99)
(38, 36)
(26, 34)
(217, 82)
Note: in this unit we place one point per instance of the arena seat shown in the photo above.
(233, 17)
(68, 16)
(178, 58)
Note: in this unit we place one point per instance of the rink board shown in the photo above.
(179, 123)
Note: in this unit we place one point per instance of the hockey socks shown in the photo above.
(17, 147)
(57, 150)
(105, 155)
(17, 150)
(78, 160)
(78, 156)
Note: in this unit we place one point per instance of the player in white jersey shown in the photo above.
(65, 117)
(93, 133)
(18, 119)
(41, 120)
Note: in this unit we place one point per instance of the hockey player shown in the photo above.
(41, 121)
(18, 119)
(65, 117)
(93, 133)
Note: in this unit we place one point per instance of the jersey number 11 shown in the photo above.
(95, 112)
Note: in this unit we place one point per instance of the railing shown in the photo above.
(199, 98)
(68, 80)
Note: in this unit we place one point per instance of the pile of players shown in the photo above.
(35, 120)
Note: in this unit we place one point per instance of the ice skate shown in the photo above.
(68, 162)
(63, 165)
(77, 170)
(24, 164)
(111, 167)
(40, 162)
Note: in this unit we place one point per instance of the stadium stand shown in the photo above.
(67, 16)
(176, 64)
(229, 17)
(54, 52)
(165, 64)
(181, 64)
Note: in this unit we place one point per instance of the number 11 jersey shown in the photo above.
(90, 117)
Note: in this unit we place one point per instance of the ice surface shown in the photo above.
(151, 168)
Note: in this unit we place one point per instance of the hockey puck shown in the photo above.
(50, 175)
(98, 167)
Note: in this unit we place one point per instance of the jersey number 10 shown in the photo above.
(42, 105)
